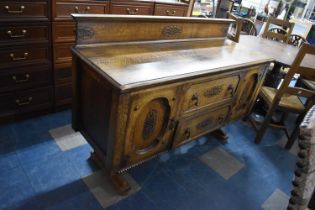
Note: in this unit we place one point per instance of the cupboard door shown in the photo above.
(247, 92)
(150, 125)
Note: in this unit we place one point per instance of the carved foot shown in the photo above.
(120, 184)
(221, 135)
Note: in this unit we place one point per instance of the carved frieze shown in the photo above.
(149, 123)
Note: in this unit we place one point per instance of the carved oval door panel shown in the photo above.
(150, 125)
(247, 93)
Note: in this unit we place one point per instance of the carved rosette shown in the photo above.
(85, 33)
(172, 30)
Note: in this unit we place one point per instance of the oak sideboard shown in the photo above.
(144, 85)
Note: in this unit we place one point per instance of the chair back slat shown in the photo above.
(297, 68)
(298, 91)
(282, 23)
(236, 27)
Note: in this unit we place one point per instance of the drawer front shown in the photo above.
(211, 92)
(23, 10)
(63, 32)
(170, 10)
(65, 9)
(194, 126)
(22, 78)
(24, 56)
(24, 34)
(62, 53)
(131, 9)
(26, 101)
(62, 73)
(63, 94)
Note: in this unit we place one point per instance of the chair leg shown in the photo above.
(264, 125)
(295, 132)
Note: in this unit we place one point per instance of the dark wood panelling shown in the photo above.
(63, 32)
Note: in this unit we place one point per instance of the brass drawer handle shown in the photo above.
(22, 7)
(76, 9)
(130, 12)
(23, 33)
(171, 13)
(18, 59)
(24, 103)
(195, 98)
(27, 77)
(187, 133)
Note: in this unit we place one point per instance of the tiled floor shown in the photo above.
(45, 165)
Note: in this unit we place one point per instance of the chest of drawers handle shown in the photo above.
(23, 33)
(18, 59)
(195, 98)
(22, 7)
(77, 10)
(231, 90)
(130, 12)
(24, 103)
(171, 13)
(26, 79)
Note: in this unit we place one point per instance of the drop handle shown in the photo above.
(172, 124)
(19, 58)
(187, 133)
(22, 7)
(230, 90)
(130, 12)
(77, 9)
(11, 35)
(195, 98)
(26, 79)
(24, 103)
(171, 13)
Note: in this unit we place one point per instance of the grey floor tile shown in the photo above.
(278, 200)
(222, 162)
(66, 138)
(102, 189)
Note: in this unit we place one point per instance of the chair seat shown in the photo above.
(309, 84)
(289, 102)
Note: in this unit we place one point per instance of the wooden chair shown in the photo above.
(235, 29)
(287, 99)
(296, 40)
(248, 27)
(285, 25)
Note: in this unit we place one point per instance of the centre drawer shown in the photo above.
(64, 10)
(23, 56)
(199, 124)
(132, 9)
(170, 10)
(210, 92)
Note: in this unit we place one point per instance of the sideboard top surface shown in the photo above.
(137, 64)
(138, 51)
